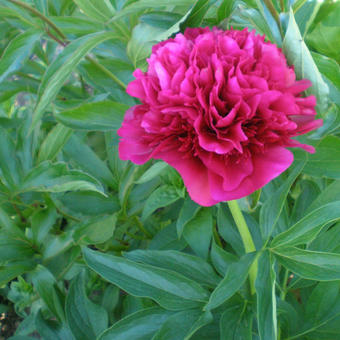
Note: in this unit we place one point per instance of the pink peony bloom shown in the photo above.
(221, 108)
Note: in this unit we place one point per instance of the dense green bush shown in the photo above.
(92, 247)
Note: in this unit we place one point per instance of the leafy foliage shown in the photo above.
(92, 247)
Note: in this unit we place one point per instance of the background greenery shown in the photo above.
(95, 248)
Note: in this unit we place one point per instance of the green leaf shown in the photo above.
(305, 16)
(326, 161)
(55, 245)
(9, 165)
(16, 52)
(188, 212)
(308, 227)
(46, 286)
(55, 177)
(87, 203)
(197, 14)
(190, 266)
(171, 290)
(233, 280)
(54, 142)
(100, 10)
(97, 116)
(14, 248)
(236, 324)
(8, 225)
(61, 68)
(42, 221)
(329, 194)
(321, 302)
(228, 230)
(325, 37)
(138, 326)
(85, 319)
(147, 4)
(309, 192)
(51, 330)
(182, 325)
(312, 265)
(270, 21)
(144, 36)
(167, 239)
(154, 171)
(96, 232)
(273, 206)
(83, 156)
(198, 232)
(13, 270)
(221, 259)
(266, 299)
(78, 26)
(161, 197)
(225, 9)
(298, 55)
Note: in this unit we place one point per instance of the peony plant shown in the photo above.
(169, 170)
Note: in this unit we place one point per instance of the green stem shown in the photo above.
(247, 239)
(142, 229)
(40, 15)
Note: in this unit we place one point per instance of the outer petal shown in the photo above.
(266, 167)
(194, 174)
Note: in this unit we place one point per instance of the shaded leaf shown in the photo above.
(85, 319)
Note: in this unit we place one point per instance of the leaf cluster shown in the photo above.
(92, 247)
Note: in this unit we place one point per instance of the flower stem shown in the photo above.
(40, 15)
(247, 239)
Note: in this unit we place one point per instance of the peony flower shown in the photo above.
(221, 107)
